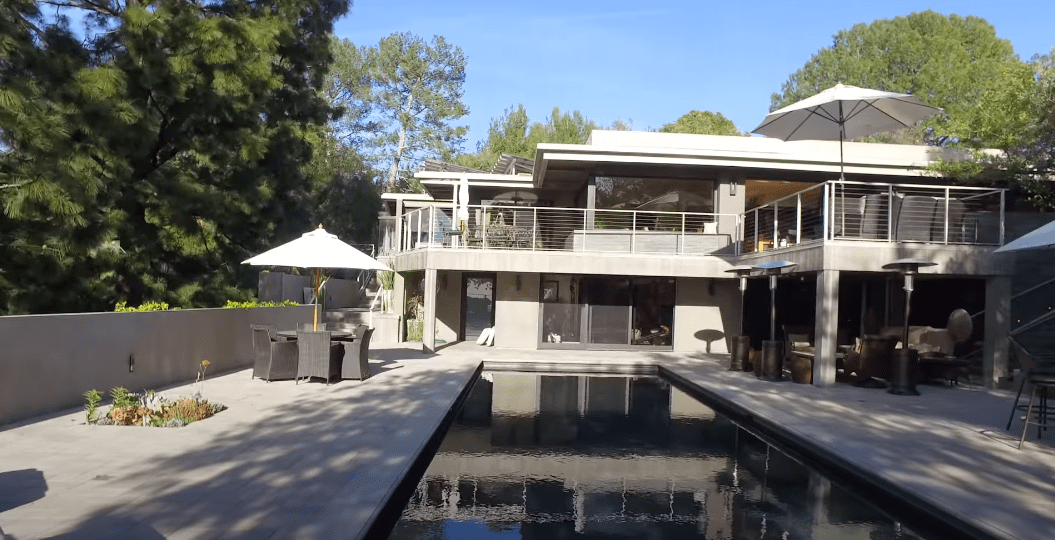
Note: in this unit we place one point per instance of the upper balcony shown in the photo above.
(852, 224)
(873, 212)
(564, 229)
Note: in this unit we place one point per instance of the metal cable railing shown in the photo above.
(842, 210)
(570, 229)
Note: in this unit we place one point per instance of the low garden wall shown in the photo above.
(48, 362)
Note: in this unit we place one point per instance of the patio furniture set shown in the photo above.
(307, 353)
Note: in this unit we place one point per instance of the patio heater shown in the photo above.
(906, 360)
(773, 350)
(740, 344)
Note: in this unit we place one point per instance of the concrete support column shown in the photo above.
(826, 324)
(429, 296)
(997, 326)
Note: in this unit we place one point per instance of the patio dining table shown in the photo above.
(334, 334)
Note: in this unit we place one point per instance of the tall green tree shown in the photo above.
(702, 123)
(513, 133)
(945, 61)
(147, 159)
(402, 99)
(1018, 121)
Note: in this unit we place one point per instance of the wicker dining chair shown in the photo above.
(357, 355)
(274, 359)
(319, 357)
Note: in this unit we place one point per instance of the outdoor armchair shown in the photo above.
(356, 355)
(319, 357)
(273, 359)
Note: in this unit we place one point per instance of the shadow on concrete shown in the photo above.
(21, 487)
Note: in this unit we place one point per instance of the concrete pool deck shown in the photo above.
(317, 461)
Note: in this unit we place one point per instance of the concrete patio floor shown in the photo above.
(318, 461)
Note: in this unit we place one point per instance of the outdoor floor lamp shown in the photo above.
(903, 379)
(740, 344)
(773, 350)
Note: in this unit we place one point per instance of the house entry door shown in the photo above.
(478, 304)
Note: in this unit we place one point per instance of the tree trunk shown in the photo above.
(399, 149)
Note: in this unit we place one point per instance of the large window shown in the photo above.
(654, 194)
(606, 311)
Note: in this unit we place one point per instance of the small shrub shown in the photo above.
(254, 304)
(148, 306)
(93, 397)
(151, 409)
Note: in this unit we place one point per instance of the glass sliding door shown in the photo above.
(606, 312)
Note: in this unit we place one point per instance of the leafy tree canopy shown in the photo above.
(145, 158)
(945, 61)
(401, 99)
(702, 123)
(514, 133)
(1017, 118)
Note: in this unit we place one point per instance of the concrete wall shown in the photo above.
(516, 311)
(448, 305)
(706, 314)
(48, 362)
(279, 286)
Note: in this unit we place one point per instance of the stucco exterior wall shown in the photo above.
(706, 314)
(516, 311)
(448, 305)
(48, 362)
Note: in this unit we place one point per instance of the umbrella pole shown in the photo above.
(315, 312)
(842, 135)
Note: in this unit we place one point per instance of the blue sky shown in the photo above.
(648, 63)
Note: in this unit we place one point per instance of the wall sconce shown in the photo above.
(518, 283)
(732, 188)
(710, 287)
(443, 281)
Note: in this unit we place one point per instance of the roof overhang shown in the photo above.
(623, 153)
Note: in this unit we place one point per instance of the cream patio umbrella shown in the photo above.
(317, 249)
(842, 112)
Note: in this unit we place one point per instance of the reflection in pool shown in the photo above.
(556, 456)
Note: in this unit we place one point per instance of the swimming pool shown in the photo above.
(591, 456)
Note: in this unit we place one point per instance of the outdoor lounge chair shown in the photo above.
(319, 357)
(275, 359)
(356, 355)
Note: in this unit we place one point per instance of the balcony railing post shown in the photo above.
(739, 238)
(534, 228)
(946, 214)
(1003, 193)
(890, 213)
(633, 232)
(756, 230)
(682, 250)
(798, 219)
(432, 225)
(825, 216)
(483, 229)
(585, 219)
(418, 239)
(776, 225)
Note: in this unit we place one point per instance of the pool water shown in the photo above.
(559, 456)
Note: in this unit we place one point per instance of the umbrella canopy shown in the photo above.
(1043, 237)
(317, 249)
(843, 112)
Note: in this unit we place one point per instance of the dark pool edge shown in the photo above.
(903, 501)
(391, 508)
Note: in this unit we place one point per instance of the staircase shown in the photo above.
(350, 317)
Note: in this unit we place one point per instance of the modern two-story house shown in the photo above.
(626, 242)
